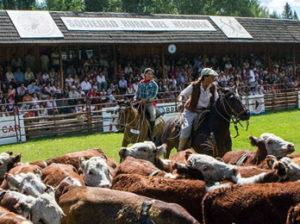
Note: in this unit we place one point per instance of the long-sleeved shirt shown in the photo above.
(147, 90)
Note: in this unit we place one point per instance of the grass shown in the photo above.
(284, 124)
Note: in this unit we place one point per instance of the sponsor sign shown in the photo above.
(11, 130)
(34, 24)
(231, 27)
(168, 110)
(136, 24)
(256, 104)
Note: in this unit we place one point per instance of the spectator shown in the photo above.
(122, 85)
(86, 85)
(101, 81)
(19, 75)
(29, 76)
(9, 75)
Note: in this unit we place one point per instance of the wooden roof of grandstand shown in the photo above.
(262, 31)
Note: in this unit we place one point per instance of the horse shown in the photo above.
(211, 130)
(136, 124)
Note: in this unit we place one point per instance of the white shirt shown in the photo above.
(86, 86)
(101, 79)
(251, 76)
(204, 99)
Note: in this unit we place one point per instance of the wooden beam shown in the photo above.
(61, 69)
(115, 61)
(294, 58)
(163, 61)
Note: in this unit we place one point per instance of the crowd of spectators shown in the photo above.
(40, 93)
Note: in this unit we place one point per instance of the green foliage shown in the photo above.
(284, 124)
(96, 5)
(287, 12)
(65, 5)
(295, 16)
(17, 4)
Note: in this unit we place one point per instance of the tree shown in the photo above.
(138, 6)
(287, 12)
(96, 5)
(295, 16)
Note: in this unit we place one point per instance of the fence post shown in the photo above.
(89, 114)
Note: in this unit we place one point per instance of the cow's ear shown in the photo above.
(104, 157)
(280, 169)
(82, 162)
(9, 153)
(17, 158)
(122, 153)
(271, 160)
(187, 154)
(253, 141)
(20, 207)
(162, 148)
(38, 173)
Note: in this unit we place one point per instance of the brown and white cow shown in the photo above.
(293, 169)
(61, 176)
(251, 203)
(96, 172)
(26, 183)
(142, 167)
(83, 205)
(22, 168)
(7, 162)
(267, 144)
(73, 158)
(214, 170)
(42, 209)
(7, 217)
(187, 193)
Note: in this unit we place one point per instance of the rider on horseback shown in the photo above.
(146, 93)
(199, 95)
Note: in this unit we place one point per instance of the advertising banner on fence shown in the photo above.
(11, 130)
(256, 104)
(299, 99)
(110, 115)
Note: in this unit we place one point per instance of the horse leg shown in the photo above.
(168, 151)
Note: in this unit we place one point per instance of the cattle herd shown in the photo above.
(87, 187)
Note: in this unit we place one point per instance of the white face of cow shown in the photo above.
(26, 183)
(211, 169)
(293, 169)
(46, 210)
(96, 172)
(143, 150)
(276, 146)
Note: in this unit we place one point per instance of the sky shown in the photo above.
(277, 5)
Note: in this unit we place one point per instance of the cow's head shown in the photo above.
(26, 183)
(292, 168)
(46, 210)
(276, 146)
(7, 162)
(96, 172)
(212, 169)
(143, 150)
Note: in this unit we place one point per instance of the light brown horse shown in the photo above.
(136, 124)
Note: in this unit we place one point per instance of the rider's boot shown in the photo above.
(182, 143)
(150, 132)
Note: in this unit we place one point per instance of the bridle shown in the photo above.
(232, 115)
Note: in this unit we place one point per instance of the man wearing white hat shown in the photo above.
(195, 98)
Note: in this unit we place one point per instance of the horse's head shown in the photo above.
(233, 105)
(126, 110)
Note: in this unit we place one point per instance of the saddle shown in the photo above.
(142, 110)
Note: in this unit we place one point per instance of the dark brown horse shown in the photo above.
(213, 127)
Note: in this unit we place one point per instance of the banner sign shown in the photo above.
(299, 99)
(11, 130)
(256, 104)
(34, 24)
(168, 110)
(231, 27)
(136, 24)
